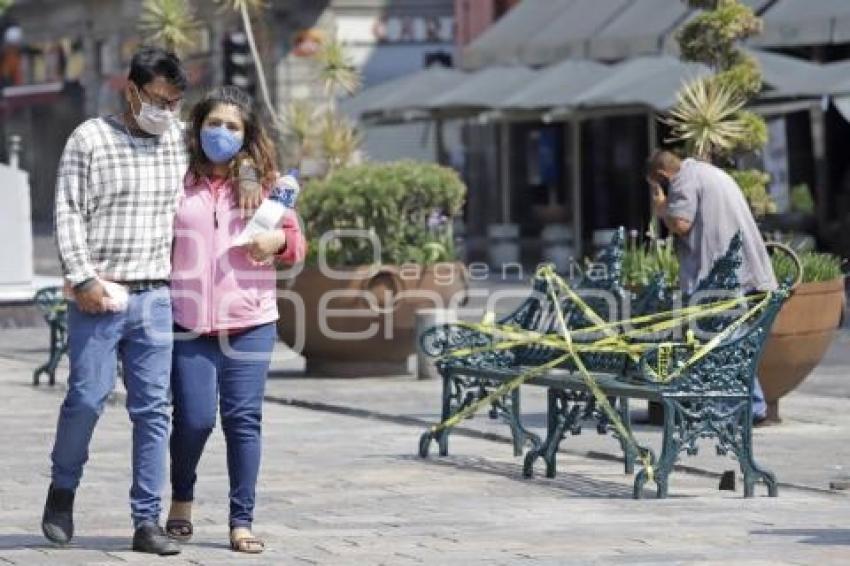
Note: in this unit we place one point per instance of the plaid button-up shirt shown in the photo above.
(116, 196)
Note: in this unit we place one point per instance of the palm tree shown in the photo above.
(707, 118)
(169, 23)
(337, 72)
(300, 118)
(339, 140)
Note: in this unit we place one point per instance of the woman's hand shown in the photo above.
(266, 245)
(250, 188)
(249, 200)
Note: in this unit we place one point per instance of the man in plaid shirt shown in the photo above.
(119, 181)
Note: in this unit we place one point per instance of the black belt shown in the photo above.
(144, 285)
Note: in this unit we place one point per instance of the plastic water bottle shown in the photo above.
(273, 210)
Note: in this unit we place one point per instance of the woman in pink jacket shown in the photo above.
(224, 306)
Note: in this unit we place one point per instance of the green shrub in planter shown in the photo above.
(408, 206)
(817, 267)
(642, 261)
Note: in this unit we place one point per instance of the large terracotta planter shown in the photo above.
(799, 339)
(360, 321)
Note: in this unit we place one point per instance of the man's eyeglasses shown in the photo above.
(162, 102)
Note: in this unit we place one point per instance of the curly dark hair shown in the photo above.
(257, 146)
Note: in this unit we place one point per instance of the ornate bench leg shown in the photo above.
(671, 444)
(441, 436)
(563, 414)
(520, 435)
(626, 416)
(751, 470)
(58, 347)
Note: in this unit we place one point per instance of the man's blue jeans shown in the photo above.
(759, 404)
(142, 337)
(228, 372)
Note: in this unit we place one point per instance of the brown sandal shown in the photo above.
(179, 529)
(247, 544)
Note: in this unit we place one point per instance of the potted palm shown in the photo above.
(381, 247)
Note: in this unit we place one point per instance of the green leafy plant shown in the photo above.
(706, 118)
(753, 184)
(643, 259)
(817, 267)
(339, 140)
(801, 199)
(5, 5)
(169, 23)
(407, 206)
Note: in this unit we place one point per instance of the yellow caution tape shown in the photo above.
(507, 337)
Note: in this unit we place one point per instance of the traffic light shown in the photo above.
(238, 63)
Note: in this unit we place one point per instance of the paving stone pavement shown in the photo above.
(343, 489)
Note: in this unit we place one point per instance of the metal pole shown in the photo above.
(505, 162)
(652, 129)
(575, 150)
(440, 142)
(818, 127)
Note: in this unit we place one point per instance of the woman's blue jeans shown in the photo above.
(229, 373)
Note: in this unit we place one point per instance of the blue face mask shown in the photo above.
(220, 144)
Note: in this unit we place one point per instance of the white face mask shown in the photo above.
(152, 119)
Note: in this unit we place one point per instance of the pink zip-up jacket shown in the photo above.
(216, 287)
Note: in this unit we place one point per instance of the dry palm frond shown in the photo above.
(337, 72)
(339, 140)
(300, 119)
(168, 22)
(706, 118)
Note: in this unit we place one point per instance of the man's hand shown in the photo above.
(266, 245)
(659, 199)
(91, 299)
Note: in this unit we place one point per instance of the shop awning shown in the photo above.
(805, 22)
(568, 33)
(790, 77)
(640, 29)
(645, 81)
(407, 94)
(559, 85)
(538, 32)
(650, 82)
(500, 44)
(485, 89)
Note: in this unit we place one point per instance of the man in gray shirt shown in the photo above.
(704, 208)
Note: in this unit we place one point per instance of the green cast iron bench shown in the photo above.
(712, 399)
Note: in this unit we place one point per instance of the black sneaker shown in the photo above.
(153, 539)
(57, 523)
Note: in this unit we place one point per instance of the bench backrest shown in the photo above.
(600, 286)
(729, 369)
